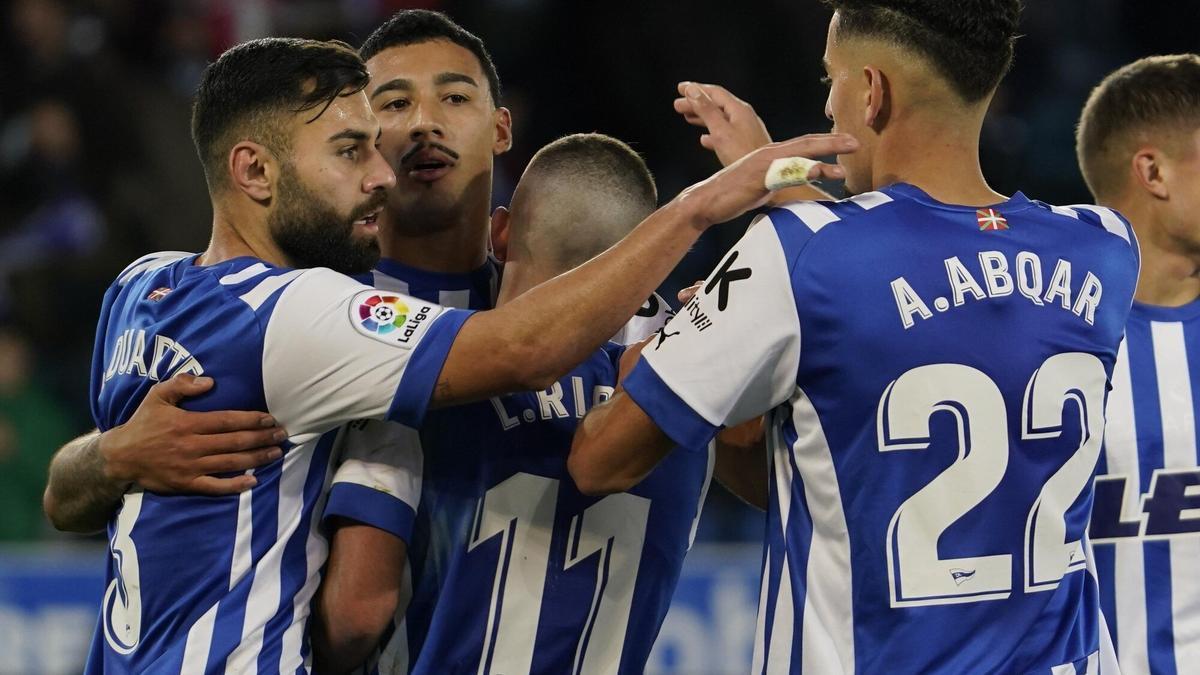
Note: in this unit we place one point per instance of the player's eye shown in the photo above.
(349, 152)
(396, 104)
(827, 81)
(457, 99)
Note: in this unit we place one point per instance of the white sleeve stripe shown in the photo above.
(149, 262)
(246, 274)
(388, 283)
(869, 200)
(256, 296)
(1064, 211)
(812, 214)
(1111, 221)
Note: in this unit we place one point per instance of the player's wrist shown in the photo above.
(105, 449)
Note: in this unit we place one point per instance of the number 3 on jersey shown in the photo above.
(521, 511)
(916, 574)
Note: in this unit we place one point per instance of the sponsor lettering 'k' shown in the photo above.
(723, 278)
(991, 220)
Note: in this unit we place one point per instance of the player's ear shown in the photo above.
(251, 168)
(876, 103)
(503, 140)
(1150, 172)
(500, 219)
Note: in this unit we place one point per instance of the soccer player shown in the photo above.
(513, 570)
(933, 358)
(1139, 148)
(287, 140)
(442, 91)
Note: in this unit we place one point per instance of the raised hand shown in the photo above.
(732, 128)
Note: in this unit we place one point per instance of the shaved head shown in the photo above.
(579, 195)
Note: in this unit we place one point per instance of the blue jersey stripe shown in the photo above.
(800, 533)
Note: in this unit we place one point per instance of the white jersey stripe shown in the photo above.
(779, 654)
(459, 298)
(1179, 452)
(869, 200)
(256, 296)
(263, 601)
(712, 457)
(199, 639)
(1065, 211)
(148, 263)
(244, 275)
(1064, 669)
(812, 214)
(1121, 456)
(316, 549)
(241, 562)
(389, 283)
(828, 619)
(760, 623)
(1111, 221)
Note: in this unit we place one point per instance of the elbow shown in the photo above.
(345, 637)
(591, 479)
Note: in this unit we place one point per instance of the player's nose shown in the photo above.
(427, 124)
(379, 174)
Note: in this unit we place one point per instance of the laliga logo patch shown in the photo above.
(382, 314)
(387, 318)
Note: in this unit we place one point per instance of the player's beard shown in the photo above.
(311, 233)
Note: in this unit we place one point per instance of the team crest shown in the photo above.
(990, 220)
(389, 318)
(158, 294)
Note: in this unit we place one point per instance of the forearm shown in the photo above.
(80, 496)
(358, 597)
(740, 464)
(615, 447)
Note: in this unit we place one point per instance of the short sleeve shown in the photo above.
(732, 352)
(378, 478)
(335, 350)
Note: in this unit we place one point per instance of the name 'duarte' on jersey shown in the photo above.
(131, 356)
(552, 404)
(1025, 278)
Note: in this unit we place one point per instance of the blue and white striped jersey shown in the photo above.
(223, 584)
(1146, 520)
(936, 377)
(513, 569)
(474, 290)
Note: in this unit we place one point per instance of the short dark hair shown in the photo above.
(1157, 94)
(414, 26)
(598, 158)
(969, 42)
(590, 190)
(245, 92)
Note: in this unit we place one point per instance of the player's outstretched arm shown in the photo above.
(533, 340)
(615, 447)
(733, 130)
(162, 448)
(358, 597)
(741, 462)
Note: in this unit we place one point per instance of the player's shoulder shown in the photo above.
(259, 284)
(797, 223)
(1098, 218)
(149, 263)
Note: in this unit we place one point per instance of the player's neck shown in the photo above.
(1170, 275)
(230, 241)
(458, 249)
(940, 159)
(520, 277)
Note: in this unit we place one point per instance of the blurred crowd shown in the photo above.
(97, 165)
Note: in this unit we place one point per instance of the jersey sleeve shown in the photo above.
(733, 351)
(653, 314)
(335, 350)
(378, 479)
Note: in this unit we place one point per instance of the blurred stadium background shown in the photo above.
(97, 168)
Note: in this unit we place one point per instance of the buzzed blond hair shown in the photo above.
(1153, 100)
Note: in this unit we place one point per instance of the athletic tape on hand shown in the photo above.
(788, 172)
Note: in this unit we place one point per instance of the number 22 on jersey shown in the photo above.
(916, 574)
(521, 511)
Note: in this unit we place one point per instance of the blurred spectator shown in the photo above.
(32, 426)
